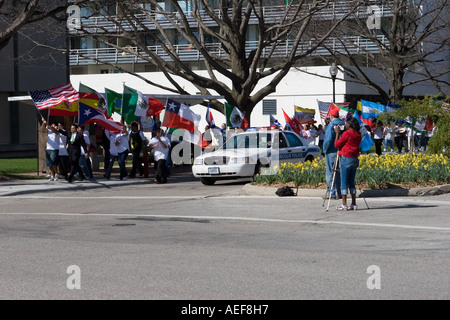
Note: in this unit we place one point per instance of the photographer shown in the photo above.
(330, 156)
(348, 145)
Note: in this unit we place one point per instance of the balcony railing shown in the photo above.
(355, 45)
(271, 15)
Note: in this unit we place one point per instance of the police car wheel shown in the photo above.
(208, 181)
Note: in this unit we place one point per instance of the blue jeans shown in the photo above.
(121, 159)
(388, 143)
(329, 161)
(86, 166)
(348, 174)
(111, 159)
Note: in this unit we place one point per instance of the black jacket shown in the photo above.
(78, 142)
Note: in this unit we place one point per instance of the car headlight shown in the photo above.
(241, 160)
(198, 161)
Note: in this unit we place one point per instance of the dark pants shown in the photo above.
(64, 165)
(161, 171)
(106, 157)
(399, 143)
(378, 144)
(74, 159)
(137, 163)
(110, 165)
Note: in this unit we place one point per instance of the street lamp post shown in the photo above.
(333, 73)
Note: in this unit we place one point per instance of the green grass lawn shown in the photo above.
(16, 166)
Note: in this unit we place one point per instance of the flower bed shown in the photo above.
(374, 172)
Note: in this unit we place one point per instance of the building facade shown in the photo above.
(25, 66)
(97, 64)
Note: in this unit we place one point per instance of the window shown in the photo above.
(294, 141)
(269, 107)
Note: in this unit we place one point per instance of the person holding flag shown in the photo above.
(161, 148)
(51, 149)
(137, 140)
(76, 142)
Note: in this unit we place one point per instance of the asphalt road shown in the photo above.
(187, 241)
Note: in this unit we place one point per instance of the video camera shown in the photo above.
(341, 128)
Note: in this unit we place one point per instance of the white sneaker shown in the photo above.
(51, 179)
(56, 177)
(353, 207)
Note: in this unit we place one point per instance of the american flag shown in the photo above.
(323, 108)
(45, 99)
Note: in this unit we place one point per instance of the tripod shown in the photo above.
(336, 168)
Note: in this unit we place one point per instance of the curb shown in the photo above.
(17, 189)
(250, 189)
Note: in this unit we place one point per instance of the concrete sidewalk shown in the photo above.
(28, 186)
(425, 191)
(184, 173)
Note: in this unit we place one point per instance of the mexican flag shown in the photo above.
(235, 118)
(342, 108)
(423, 126)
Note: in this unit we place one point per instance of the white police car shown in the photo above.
(244, 154)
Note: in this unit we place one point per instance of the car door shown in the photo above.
(295, 151)
(280, 151)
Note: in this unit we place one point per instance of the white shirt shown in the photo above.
(388, 133)
(311, 136)
(378, 133)
(52, 140)
(87, 140)
(123, 139)
(159, 152)
(63, 145)
(112, 143)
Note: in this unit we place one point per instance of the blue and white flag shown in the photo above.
(371, 110)
(366, 142)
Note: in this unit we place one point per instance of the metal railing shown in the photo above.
(272, 14)
(185, 52)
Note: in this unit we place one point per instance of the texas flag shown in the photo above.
(88, 114)
(180, 116)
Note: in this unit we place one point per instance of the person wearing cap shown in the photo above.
(330, 157)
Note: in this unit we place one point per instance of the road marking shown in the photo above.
(415, 200)
(324, 222)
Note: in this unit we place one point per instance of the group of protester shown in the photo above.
(67, 153)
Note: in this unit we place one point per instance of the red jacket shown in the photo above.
(348, 144)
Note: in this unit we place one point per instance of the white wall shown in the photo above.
(297, 88)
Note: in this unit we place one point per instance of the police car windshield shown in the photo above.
(250, 140)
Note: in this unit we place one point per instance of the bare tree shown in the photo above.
(219, 35)
(408, 45)
(15, 14)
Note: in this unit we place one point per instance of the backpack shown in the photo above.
(285, 191)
